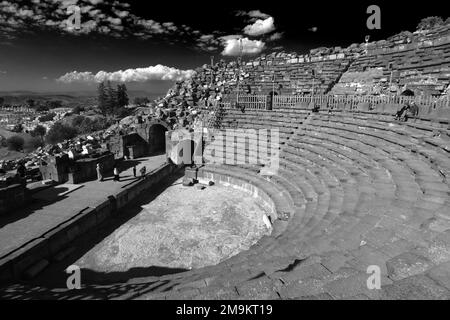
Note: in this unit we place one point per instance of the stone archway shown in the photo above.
(157, 137)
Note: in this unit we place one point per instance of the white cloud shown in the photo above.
(253, 14)
(276, 36)
(158, 72)
(257, 14)
(3, 72)
(233, 45)
(260, 27)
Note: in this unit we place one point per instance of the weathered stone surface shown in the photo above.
(302, 288)
(182, 228)
(353, 285)
(417, 287)
(262, 288)
(407, 264)
(317, 271)
(441, 274)
(217, 294)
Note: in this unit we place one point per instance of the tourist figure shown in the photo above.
(414, 109)
(134, 171)
(21, 170)
(99, 172)
(402, 113)
(116, 174)
(143, 170)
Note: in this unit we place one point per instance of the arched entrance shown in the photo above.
(157, 139)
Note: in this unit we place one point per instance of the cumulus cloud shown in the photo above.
(234, 44)
(260, 27)
(3, 72)
(157, 72)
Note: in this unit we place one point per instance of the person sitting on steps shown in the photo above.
(402, 114)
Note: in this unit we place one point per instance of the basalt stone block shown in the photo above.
(407, 264)
(284, 215)
(187, 182)
(417, 287)
(262, 288)
(191, 173)
(441, 274)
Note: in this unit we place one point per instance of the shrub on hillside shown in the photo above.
(87, 125)
(47, 117)
(15, 143)
(60, 132)
(39, 131)
(32, 143)
(78, 109)
(17, 128)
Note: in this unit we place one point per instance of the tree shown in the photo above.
(2, 100)
(141, 101)
(17, 128)
(39, 131)
(77, 121)
(42, 108)
(102, 98)
(111, 98)
(53, 104)
(430, 23)
(77, 109)
(122, 96)
(32, 143)
(31, 103)
(15, 143)
(60, 132)
(47, 117)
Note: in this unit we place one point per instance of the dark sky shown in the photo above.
(35, 49)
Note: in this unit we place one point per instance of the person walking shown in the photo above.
(143, 170)
(116, 174)
(99, 172)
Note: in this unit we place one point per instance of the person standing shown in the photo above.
(99, 172)
(143, 170)
(134, 171)
(116, 174)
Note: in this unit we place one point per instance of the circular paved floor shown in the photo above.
(182, 228)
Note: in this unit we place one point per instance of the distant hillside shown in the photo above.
(70, 99)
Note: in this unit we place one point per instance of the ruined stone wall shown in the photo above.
(86, 169)
(56, 169)
(13, 197)
(417, 61)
